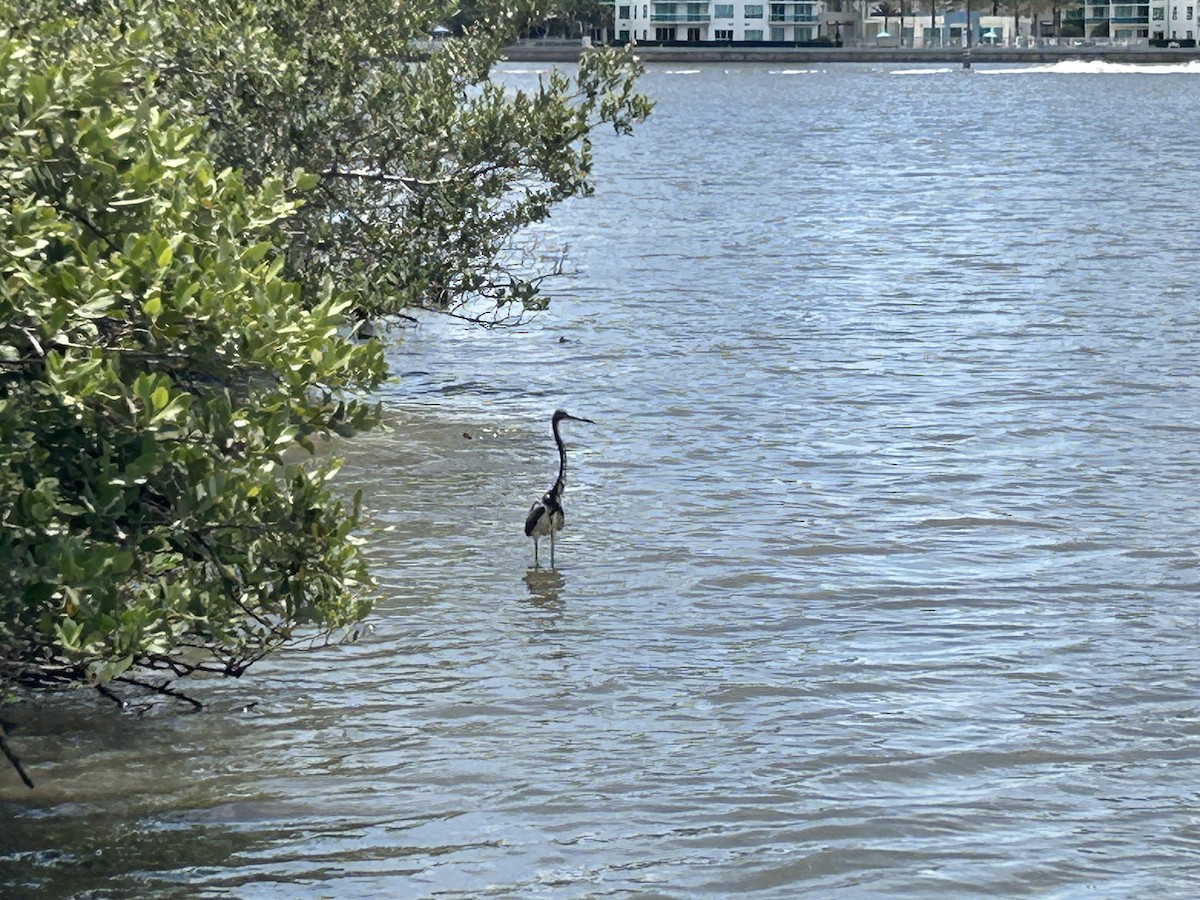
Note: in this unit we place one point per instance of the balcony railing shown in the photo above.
(794, 19)
(673, 18)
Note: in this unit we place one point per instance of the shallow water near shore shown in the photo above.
(881, 568)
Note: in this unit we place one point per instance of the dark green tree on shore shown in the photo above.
(579, 18)
(429, 171)
(200, 203)
(156, 371)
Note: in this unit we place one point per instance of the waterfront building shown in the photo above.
(1173, 20)
(848, 22)
(736, 21)
(1124, 21)
(1120, 21)
(920, 31)
(800, 21)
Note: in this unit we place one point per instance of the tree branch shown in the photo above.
(160, 689)
(13, 759)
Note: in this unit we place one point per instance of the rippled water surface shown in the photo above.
(881, 569)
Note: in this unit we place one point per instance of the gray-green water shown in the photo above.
(881, 571)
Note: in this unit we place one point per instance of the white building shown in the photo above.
(739, 20)
(1173, 20)
(1134, 20)
(1126, 21)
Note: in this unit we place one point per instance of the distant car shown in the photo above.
(1174, 44)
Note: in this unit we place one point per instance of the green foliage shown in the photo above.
(573, 19)
(183, 185)
(155, 370)
(429, 172)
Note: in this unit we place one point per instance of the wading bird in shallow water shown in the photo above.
(546, 515)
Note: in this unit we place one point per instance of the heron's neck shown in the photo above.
(561, 484)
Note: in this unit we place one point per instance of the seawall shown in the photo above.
(802, 55)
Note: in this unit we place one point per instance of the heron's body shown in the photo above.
(546, 515)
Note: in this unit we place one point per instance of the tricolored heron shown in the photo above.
(546, 515)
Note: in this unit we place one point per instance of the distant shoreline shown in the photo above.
(726, 54)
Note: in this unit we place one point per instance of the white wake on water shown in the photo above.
(1101, 67)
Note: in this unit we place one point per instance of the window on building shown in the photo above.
(754, 34)
(754, 11)
(723, 11)
(1157, 14)
(623, 12)
(1189, 14)
(645, 14)
(723, 34)
(1174, 12)
(664, 34)
(623, 36)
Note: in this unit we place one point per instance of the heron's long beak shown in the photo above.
(581, 419)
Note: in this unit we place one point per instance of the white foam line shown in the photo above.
(1100, 67)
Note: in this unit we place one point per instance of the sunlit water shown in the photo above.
(880, 574)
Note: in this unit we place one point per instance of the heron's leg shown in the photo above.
(535, 559)
(552, 545)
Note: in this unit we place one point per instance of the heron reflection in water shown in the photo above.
(546, 515)
(544, 586)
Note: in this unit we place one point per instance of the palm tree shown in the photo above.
(886, 9)
(947, 7)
